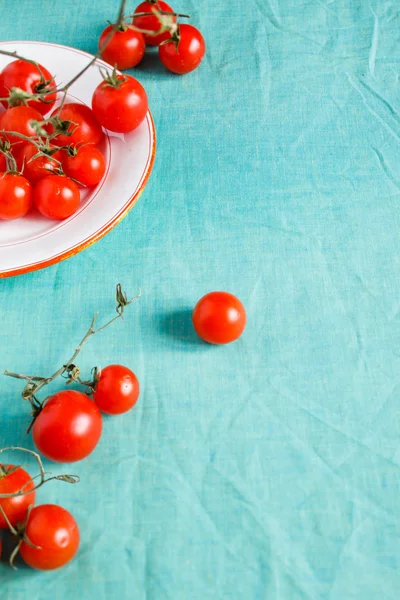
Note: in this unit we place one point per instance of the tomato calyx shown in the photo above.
(61, 127)
(175, 37)
(113, 79)
(19, 97)
(5, 150)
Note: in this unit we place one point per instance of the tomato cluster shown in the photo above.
(181, 48)
(66, 429)
(48, 153)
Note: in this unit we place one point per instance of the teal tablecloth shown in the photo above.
(268, 469)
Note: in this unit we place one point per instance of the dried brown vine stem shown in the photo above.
(35, 383)
(41, 475)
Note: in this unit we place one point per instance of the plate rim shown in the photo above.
(100, 233)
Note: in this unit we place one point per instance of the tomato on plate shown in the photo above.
(36, 167)
(15, 196)
(56, 196)
(19, 119)
(31, 78)
(55, 533)
(219, 318)
(151, 22)
(85, 164)
(83, 127)
(117, 389)
(120, 107)
(124, 50)
(68, 427)
(187, 54)
(14, 479)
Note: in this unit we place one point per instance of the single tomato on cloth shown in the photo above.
(151, 22)
(54, 533)
(184, 52)
(124, 49)
(68, 427)
(116, 389)
(219, 318)
(12, 480)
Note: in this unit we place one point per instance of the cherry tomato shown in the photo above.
(151, 22)
(85, 128)
(56, 197)
(122, 108)
(39, 167)
(124, 50)
(117, 390)
(68, 427)
(189, 53)
(29, 78)
(219, 318)
(87, 165)
(3, 163)
(19, 119)
(55, 533)
(12, 481)
(15, 196)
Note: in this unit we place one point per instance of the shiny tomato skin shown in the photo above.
(36, 168)
(124, 50)
(189, 53)
(27, 76)
(151, 22)
(56, 197)
(15, 508)
(55, 533)
(15, 196)
(85, 129)
(117, 390)
(68, 427)
(219, 318)
(87, 167)
(19, 119)
(120, 109)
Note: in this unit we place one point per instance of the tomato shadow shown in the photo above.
(152, 65)
(178, 325)
(8, 545)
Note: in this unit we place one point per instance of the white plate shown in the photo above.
(35, 242)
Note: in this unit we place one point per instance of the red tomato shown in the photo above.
(19, 119)
(122, 108)
(55, 533)
(87, 166)
(124, 50)
(189, 53)
(3, 163)
(15, 196)
(85, 129)
(39, 167)
(68, 427)
(29, 78)
(219, 318)
(56, 196)
(151, 22)
(117, 390)
(11, 482)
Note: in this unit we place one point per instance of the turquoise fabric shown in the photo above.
(267, 469)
